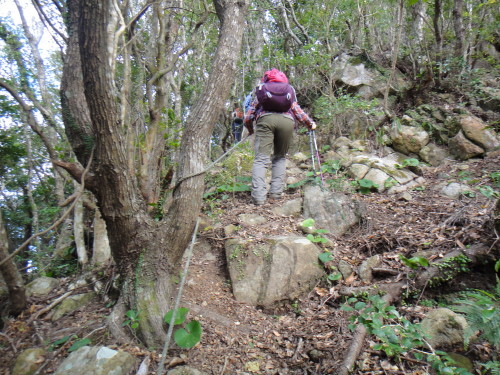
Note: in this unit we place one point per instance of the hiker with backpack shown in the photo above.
(275, 110)
(237, 125)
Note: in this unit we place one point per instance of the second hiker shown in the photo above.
(275, 110)
(237, 126)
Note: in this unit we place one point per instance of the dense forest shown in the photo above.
(111, 112)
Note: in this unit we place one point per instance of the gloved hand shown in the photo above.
(313, 126)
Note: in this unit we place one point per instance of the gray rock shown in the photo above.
(341, 142)
(252, 219)
(42, 286)
(478, 132)
(299, 157)
(185, 370)
(345, 269)
(420, 181)
(97, 360)
(365, 269)
(444, 327)
(408, 139)
(71, 304)
(289, 208)
(433, 154)
(454, 190)
(29, 361)
(333, 211)
(405, 196)
(230, 229)
(378, 177)
(358, 171)
(280, 268)
(462, 148)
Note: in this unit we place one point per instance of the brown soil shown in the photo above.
(310, 335)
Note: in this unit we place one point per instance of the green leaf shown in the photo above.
(335, 276)
(325, 257)
(59, 342)
(180, 316)
(78, 344)
(189, 337)
(132, 314)
(367, 183)
(308, 223)
(360, 305)
(414, 262)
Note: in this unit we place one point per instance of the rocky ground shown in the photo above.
(309, 335)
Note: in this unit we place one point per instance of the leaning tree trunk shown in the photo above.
(11, 275)
(147, 252)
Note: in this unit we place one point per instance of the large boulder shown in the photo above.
(275, 269)
(444, 327)
(433, 154)
(478, 132)
(41, 286)
(72, 304)
(408, 139)
(386, 172)
(462, 148)
(334, 211)
(362, 76)
(29, 361)
(97, 360)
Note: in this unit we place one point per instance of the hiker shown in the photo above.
(275, 110)
(237, 125)
(248, 101)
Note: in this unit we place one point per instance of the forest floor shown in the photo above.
(310, 335)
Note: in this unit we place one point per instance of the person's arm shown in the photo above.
(250, 116)
(302, 117)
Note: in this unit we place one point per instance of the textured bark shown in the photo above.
(147, 252)
(458, 25)
(101, 254)
(78, 232)
(11, 275)
(75, 112)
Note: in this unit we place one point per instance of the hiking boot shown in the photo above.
(259, 202)
(275, 195)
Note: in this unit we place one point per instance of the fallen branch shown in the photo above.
(393, 291)
(49, 307)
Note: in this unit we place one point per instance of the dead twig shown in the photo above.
(7, 338)
(49, 307)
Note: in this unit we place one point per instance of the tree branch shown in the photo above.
(57, 222)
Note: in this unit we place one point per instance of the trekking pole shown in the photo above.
(311, 146)
(315, 153)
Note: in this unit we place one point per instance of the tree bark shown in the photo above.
(438, 33)
(10, 274)
(458, 25)
(147, 252)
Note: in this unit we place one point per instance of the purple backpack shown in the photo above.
(275, 96)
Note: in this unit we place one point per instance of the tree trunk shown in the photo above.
(458, 25)
(148, 252)
(11, 275)
(438, 34)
